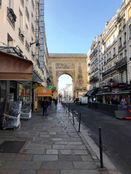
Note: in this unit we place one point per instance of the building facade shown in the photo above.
(110, 67)
(22, 35)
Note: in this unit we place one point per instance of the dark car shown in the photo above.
(76, 100)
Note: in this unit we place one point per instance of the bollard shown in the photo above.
(100, 148)
(79, 126)
(73, 118)
(68, 112)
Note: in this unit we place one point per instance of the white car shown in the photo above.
(83, 100)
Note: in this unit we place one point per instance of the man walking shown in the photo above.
(45, 105)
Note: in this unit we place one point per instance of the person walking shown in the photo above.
(56, 102)
(123, 103)
(45, 105)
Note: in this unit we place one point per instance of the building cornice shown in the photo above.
(67, 55)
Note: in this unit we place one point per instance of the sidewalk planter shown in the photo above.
(26, 112)
(12, 119)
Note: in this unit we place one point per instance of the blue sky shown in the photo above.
(71, 25)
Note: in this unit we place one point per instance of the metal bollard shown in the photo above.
(68, 112)
(100, 148)
(79, 126)
(73, 118)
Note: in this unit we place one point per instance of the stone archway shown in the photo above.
(65, 87)
(72, 64)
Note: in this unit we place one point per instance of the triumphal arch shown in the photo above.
(74, 65)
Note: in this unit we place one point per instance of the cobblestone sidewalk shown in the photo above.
(52, 146)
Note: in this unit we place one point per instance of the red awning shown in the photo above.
(15, 68)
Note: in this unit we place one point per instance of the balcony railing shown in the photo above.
(109, 71)
(121, 63)
(94, 79)
(11, 15)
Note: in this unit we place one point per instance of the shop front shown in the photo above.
(15, 82)
(42, 92)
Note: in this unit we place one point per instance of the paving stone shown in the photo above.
(27, 172)
(48, 172)
(51, 151)
(58, 147)
(57, 165)
(34, 151)
(6, 156)
(11, 165)
(79, 172)
(69, 157)
(52, 133)
(86, 158)
(23, 157)
(45, 157)
(80, 152)
(84, 165)
(57, 139)
(60, 143)
(6, 171)
(31, 165)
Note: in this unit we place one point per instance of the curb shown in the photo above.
(109, 167)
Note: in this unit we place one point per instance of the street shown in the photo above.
(116, 135)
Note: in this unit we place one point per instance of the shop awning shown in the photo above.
(91, 92)
(43, 92)
(15, 68)
(36, 78)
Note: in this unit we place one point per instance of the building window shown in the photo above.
(0, 3)
(10, 13)
(27, 14)
(130, 31)
(114, 52)
(120, 43)
(32, 27)
(9, 41)
(22, 3)
(20, 20)
(33, 5)
(125, 38)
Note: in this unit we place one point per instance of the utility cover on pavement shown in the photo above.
(11, 146)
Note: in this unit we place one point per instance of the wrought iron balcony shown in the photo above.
(121, 63)
(94, 79)
(11, 15)
(109, 71)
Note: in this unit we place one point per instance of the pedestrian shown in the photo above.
(45, 105)
(55, 102)
(123, 103)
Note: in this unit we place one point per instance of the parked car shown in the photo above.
(83, 100)
(76, 100)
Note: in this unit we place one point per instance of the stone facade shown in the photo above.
(18, 26)
(110, 53)
(74, 65)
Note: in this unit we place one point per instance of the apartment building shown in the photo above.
(111, 55)
(23, 49)
(96, 63)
